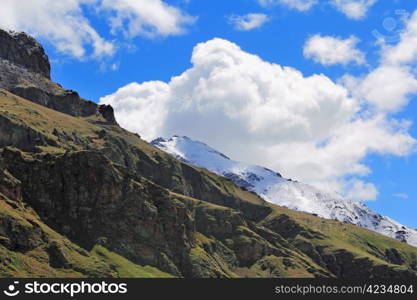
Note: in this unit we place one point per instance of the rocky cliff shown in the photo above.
(24, 51)
(25, 71)
(80, 196)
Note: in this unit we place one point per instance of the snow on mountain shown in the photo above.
(272, 187)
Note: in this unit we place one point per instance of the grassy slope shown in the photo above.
(35, 262)
(125, 268)
(337, 236)
(45, 121)
(27, 114)
(333, 235)
(296, 263)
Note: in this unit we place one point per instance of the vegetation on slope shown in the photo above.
(29, 248)
(87, 198)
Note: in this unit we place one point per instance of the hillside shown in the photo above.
(80, 196)
(272, 187)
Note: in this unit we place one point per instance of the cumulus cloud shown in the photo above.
(386, 88)
(146, 17)
(61, 22)
(301, 5)
(64, 24)
(308, 128)
(328, 50)
(405, 52)
(389, 86)
(354, 9)
(360, 190)
(248, 22)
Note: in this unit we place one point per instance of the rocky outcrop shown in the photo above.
(66, 101)
(101, 185)
(23, 50)
(71, 185)
(101, 203)
(25, 71)
(91, 200)
(21, 136)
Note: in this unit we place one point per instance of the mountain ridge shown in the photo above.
(272, 187)
(82, 197)
(25, 71)
(23, 50)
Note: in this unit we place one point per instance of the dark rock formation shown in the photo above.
(25, 71)
(108, 113)
(66, 101)
(22, 49)
(70, 185)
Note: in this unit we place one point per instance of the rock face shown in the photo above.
(272, 187)
(25, 71)
(84, 197)
(23, 50)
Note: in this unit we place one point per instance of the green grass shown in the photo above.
(331, 236)
(125, 268)
(36, 262)
(282, 267)
(24, 113)
(354, 239)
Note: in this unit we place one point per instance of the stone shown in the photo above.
(22, 49)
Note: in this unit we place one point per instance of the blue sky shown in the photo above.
(138, 57)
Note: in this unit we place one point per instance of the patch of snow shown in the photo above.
(272, 187)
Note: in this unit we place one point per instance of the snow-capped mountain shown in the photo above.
(272, 187)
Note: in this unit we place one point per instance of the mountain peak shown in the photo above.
(186, 147)
(270, 186)
(25, 71)
(21, 49)
(250, 177)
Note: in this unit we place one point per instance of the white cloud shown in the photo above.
(60, 22)
(249, 21)
(301, 5)
(344, 151)
(405, 52)
(64, 24)
(308, 128)
(115, 66)
(146, 17)
(354, 9)
(401, 196)
(389, 86)
(329, 50)
(106, 66)
(142, 108)
(359, 190)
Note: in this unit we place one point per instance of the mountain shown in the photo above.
(272, 187)
(82, 197)
(25, 72)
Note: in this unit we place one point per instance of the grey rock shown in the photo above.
(25, 71)
(23, 50)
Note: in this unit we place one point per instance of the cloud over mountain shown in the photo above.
(308, 128)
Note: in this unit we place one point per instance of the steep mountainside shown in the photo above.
(80, 196)
(25, 71)
(272, 187)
